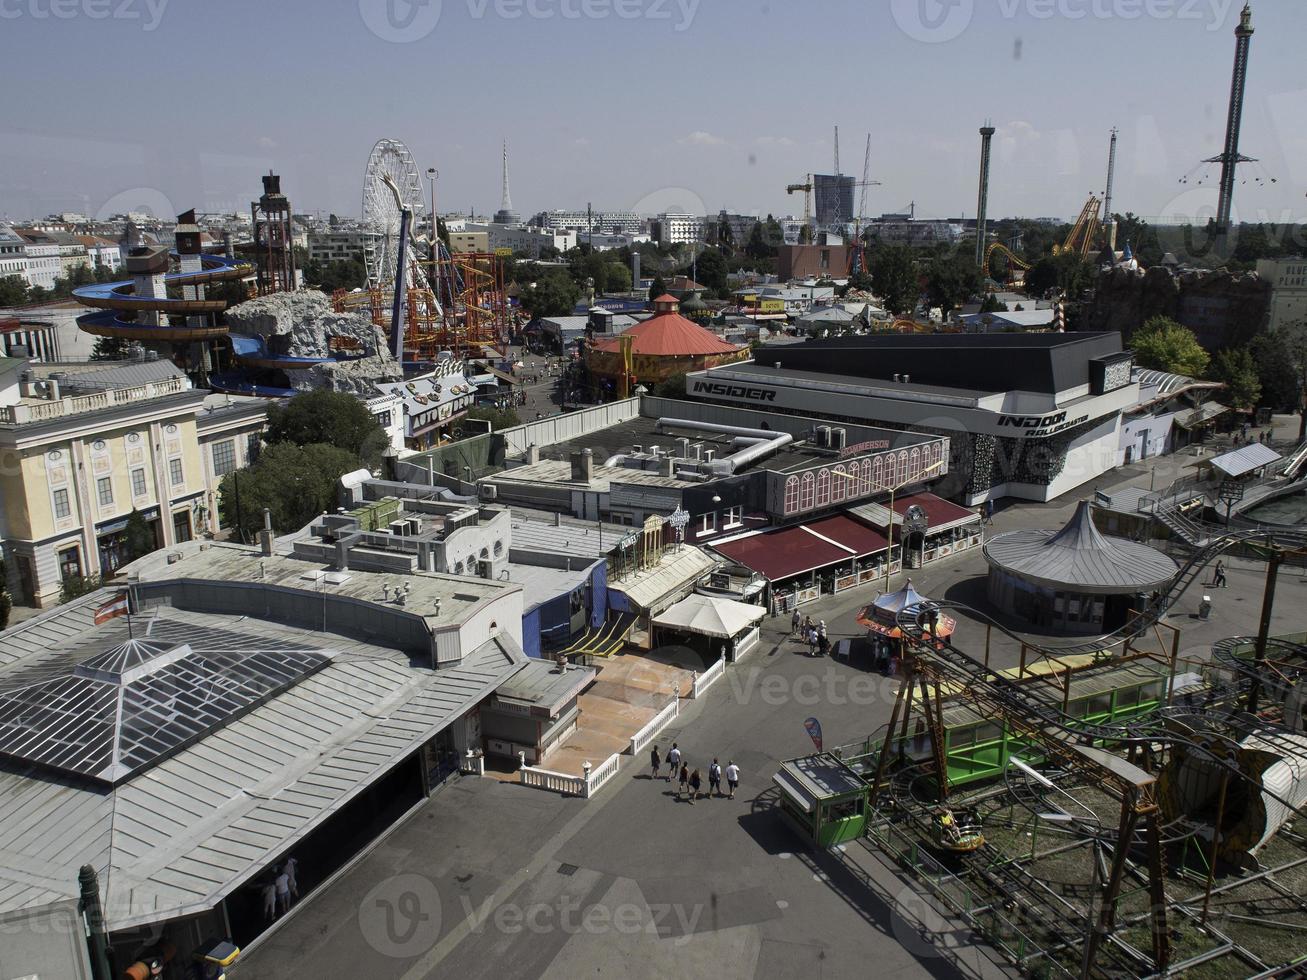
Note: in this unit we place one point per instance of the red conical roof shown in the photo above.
(668, 334)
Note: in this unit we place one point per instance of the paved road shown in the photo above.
(488, 878)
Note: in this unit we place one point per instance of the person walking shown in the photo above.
(695, 783)
(821, 630)
(732, 777)
(269, 893)
(291, 867)
(673, 761)
(655, 762)
(1218, 578)
(795, 622)
(811, 636)
(715, 779)
(282, 883)
(684, 781)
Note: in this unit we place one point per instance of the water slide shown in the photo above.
(112, 299)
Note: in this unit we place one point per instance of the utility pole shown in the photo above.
(1264, 626)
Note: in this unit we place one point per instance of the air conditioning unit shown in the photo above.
(486, 569)
(839, 438)
(488, 491)
(823, 436)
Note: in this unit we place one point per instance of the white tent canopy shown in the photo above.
(710, 616)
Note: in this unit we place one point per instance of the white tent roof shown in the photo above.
(710, 616)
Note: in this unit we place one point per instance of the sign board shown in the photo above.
(772, 306)
(503, 253)
(813, 727)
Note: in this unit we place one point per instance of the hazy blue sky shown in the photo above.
(646, 104)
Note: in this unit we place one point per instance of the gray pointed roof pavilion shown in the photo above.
(1080, 558)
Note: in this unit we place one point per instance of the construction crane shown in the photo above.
(857, 260)
(1085, 230)
(806, 187)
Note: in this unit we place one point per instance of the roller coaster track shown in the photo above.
(1008, 254)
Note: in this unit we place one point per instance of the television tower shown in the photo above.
(1230, 157)
(506, 215)
(982, 206)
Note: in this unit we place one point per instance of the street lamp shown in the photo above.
(889, 553)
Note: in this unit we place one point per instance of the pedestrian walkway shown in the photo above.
(628, 692)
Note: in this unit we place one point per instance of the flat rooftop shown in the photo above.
(441, 600)
(646, 432)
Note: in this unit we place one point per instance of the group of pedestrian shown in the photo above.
(1242, 437)
(813, 634)
(689, 781)
(280, 889)
(885, 655)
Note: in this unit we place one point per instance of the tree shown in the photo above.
(333, 418)
(709, 269)
(673, 387)
(109, 349)
(894, 278)
(1275, 372)
(550, 295)
(141, 539)
(295, 483)
(1236, 369)
(619, 278)
(1164, 345)
(76, 586)
(1294, 336)
(1068, 274)
(499, 418)
(991, 304)
(950, 282)
(348, 273)
(658, 288)
(13, 291)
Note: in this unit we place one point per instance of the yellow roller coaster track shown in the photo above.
(1007, 253)
(1085, 231)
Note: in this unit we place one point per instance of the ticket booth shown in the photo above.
(824, 799)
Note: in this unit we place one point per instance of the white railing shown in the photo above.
(751, 640)
(474, 764)
(595, 778)
(559, 782)
(78, 404)
(641, 739)
(709, 677)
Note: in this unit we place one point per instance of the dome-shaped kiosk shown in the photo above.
(1076, 580)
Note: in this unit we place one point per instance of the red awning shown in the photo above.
(792, 551)
(941, 514)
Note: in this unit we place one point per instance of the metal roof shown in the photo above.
(1080, 557)
(678, 569)
(1245, 459)
(1165, 382)
(206, 820)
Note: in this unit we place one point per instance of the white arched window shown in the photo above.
(914, 467)
(823, 488)
(791, 495)
(806, 492)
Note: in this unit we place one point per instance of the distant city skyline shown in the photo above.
(648, 105)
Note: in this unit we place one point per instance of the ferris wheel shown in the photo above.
(391, 173)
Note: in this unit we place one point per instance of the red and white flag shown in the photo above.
(112, 609)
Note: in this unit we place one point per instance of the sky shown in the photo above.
(648, 105)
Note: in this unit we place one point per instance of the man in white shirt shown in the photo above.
(732, 777)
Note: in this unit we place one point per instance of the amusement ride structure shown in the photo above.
(1106, 808)
(428, 300)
